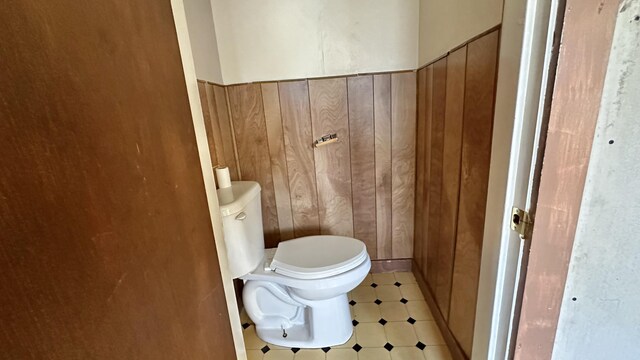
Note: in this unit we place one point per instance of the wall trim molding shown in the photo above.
(391, 265)
(452, 344)
(465, 43)
(312, 78)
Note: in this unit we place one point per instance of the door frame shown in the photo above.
(188, 66)
(526, 71)
(587, 36)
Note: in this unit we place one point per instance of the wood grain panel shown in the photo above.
(207, 109)
(107, 250)
(275, 136)
(403, 150)
(426, 196)
(363, 173)
(227, 135)
(249, 127)
(476, 153)
(382, 128)
(435, 181)
(418, 238)
(329, 114)
(296, 122)
(216, 132)
(454, 109)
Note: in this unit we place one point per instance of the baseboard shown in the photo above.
(454, 348)
(391, 265)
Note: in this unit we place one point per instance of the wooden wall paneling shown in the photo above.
(476, 152)
(435, 176)
(275, 136)
(329, 114)
(418, 238)
(451, 155)
(298, 139)
(227, 135)
(382, 128)
(249, 127)
(403, 151)
(426, 196)
(207, 109)
(216, 133)
(363, 174)
(107, 249)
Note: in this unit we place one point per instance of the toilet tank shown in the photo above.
(242, 226)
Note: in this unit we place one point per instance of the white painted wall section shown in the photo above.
(603, 322)
(263, 40)
(202, 36)
(188, 66)
(445, 24)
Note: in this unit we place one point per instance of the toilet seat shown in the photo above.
(317, 257)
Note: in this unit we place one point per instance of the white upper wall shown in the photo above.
(260, 40)
(445, 24)
(202, 36)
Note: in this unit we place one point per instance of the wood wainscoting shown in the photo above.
(361, 186)
(455, 116)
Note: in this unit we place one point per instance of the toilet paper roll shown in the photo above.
(224, 179)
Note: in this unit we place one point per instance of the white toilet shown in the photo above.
(296, 294)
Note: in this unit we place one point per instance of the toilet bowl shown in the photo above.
(296, 294)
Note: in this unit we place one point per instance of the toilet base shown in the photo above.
(326, 323)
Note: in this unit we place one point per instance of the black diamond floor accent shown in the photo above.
(295, 350)
(352, 302)
(420, 345)
(357, 347)
(326, 349)
(411, 320)
(397, 284)
(374, 285)
(265, 349)
(355, 322)
(245, 325)
(404, 301)
(378, 301)
(388, 346)
(382, 321)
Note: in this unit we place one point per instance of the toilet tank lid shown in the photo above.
(234, 199)
(315, 257)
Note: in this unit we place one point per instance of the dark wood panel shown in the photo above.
(296, 122)
(329, 115)
(216, 148)
(226, 134)
(382, 128)
(207, 109)
(403, 152)
(247, 114)
(454, 109)
(363, 173)
(107, 250)
(418, 237)
(476, 154)
(275, 137)
(426, 195)
(435, 175)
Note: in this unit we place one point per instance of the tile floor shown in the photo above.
(391, 322)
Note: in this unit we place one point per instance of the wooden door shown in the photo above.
(106, 246)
